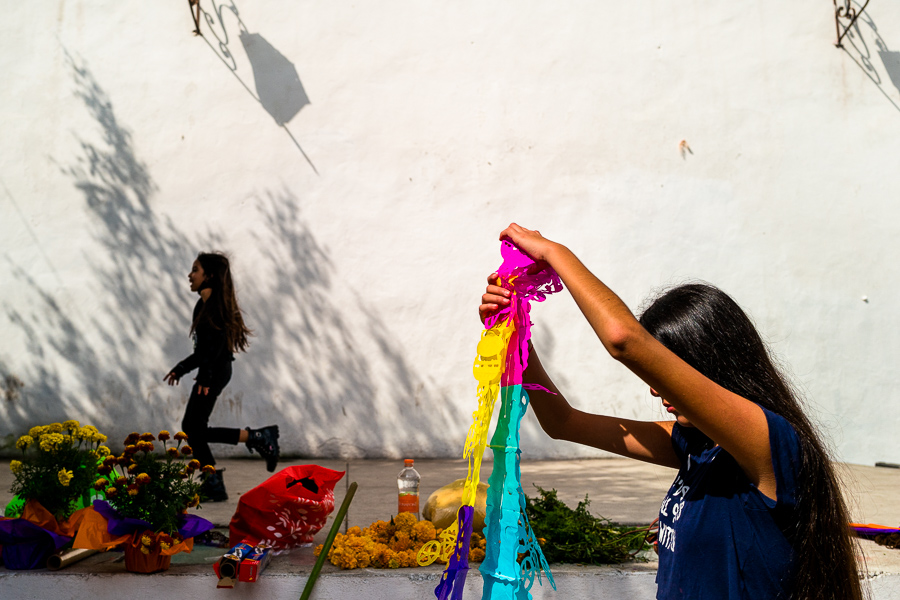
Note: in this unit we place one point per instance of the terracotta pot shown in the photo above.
(138, 562)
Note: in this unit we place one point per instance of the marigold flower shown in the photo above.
(132, 490)
(194, 501)
(181, 436)
(132, 438)
(23, 442)
(124, 460)
(142, 479)
(55, 428)
(68, 439)
(65, 476)
(173, 451)
(131, 449)
(50, 441)
(36, 431)
(99, 438)
(132, 468)
(163, 435)
(111, 492)
(147, 437)
(103, 451)
(165, 541)
(145, 550)
(15, 466)
(186, 450)
(86, 433)
(71, 425)
(146, 540)
(101, 484)
(194, 464)
(120, 481)
(209, 469)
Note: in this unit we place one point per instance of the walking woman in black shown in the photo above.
(218, 331)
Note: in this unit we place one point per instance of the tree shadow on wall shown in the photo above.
(277, 83)
(330, 353)
(137, 272)
(856, 46)
(314, 366)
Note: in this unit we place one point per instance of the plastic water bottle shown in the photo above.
(408, 487)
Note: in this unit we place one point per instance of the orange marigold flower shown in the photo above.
(100, 484)
(132, 468)
(173, 451)
(145, 446)
(132, 490)
(120, 481)
(194, 464)
(209, 470)
(132, 448)
(110, 460)
(111, 492)
(163, 435)
(147, 437)
(142, 479)
(132, 438)
(181, 436)
(124, 460)
(186, 450)
(104, 469)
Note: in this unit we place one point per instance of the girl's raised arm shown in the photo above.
(647, 441)
(733, 422)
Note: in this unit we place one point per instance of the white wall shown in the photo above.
(362, 229)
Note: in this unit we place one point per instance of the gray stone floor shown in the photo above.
(622, 490)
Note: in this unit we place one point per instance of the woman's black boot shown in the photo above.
(265, 441)
(213, 489)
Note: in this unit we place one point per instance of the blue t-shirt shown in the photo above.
(719, 537)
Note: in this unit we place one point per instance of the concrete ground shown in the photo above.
(621, 490)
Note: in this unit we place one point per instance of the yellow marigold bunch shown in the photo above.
(23, 442)
(405, 522)
(71, 425)
(423, 532)
(15, 466)
(103, 451)
(65, 476)
(382, 545)
(36, 431)
(55, 428)
(51, 441)
(380, 531)
(401, 542)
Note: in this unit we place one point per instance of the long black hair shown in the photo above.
(704, 327)
(221, 310)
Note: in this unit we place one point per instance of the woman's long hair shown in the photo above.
(221, 310)
(707, 329)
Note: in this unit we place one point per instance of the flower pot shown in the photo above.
(138, 562)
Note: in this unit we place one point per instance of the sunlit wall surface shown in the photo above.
(358, 160)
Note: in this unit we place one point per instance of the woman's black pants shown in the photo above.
(196, 421)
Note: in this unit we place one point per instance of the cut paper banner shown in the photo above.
(501, 361)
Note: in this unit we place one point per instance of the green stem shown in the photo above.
(314, 574)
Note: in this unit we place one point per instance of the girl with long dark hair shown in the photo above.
(219, 332)
(756, 511)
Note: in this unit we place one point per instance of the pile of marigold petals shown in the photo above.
(390, 545)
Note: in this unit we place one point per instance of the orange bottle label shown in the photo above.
(408, 503)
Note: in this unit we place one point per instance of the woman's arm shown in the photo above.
(643, 440)
(733, 422)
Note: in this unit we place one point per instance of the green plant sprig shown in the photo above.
(576, 536)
